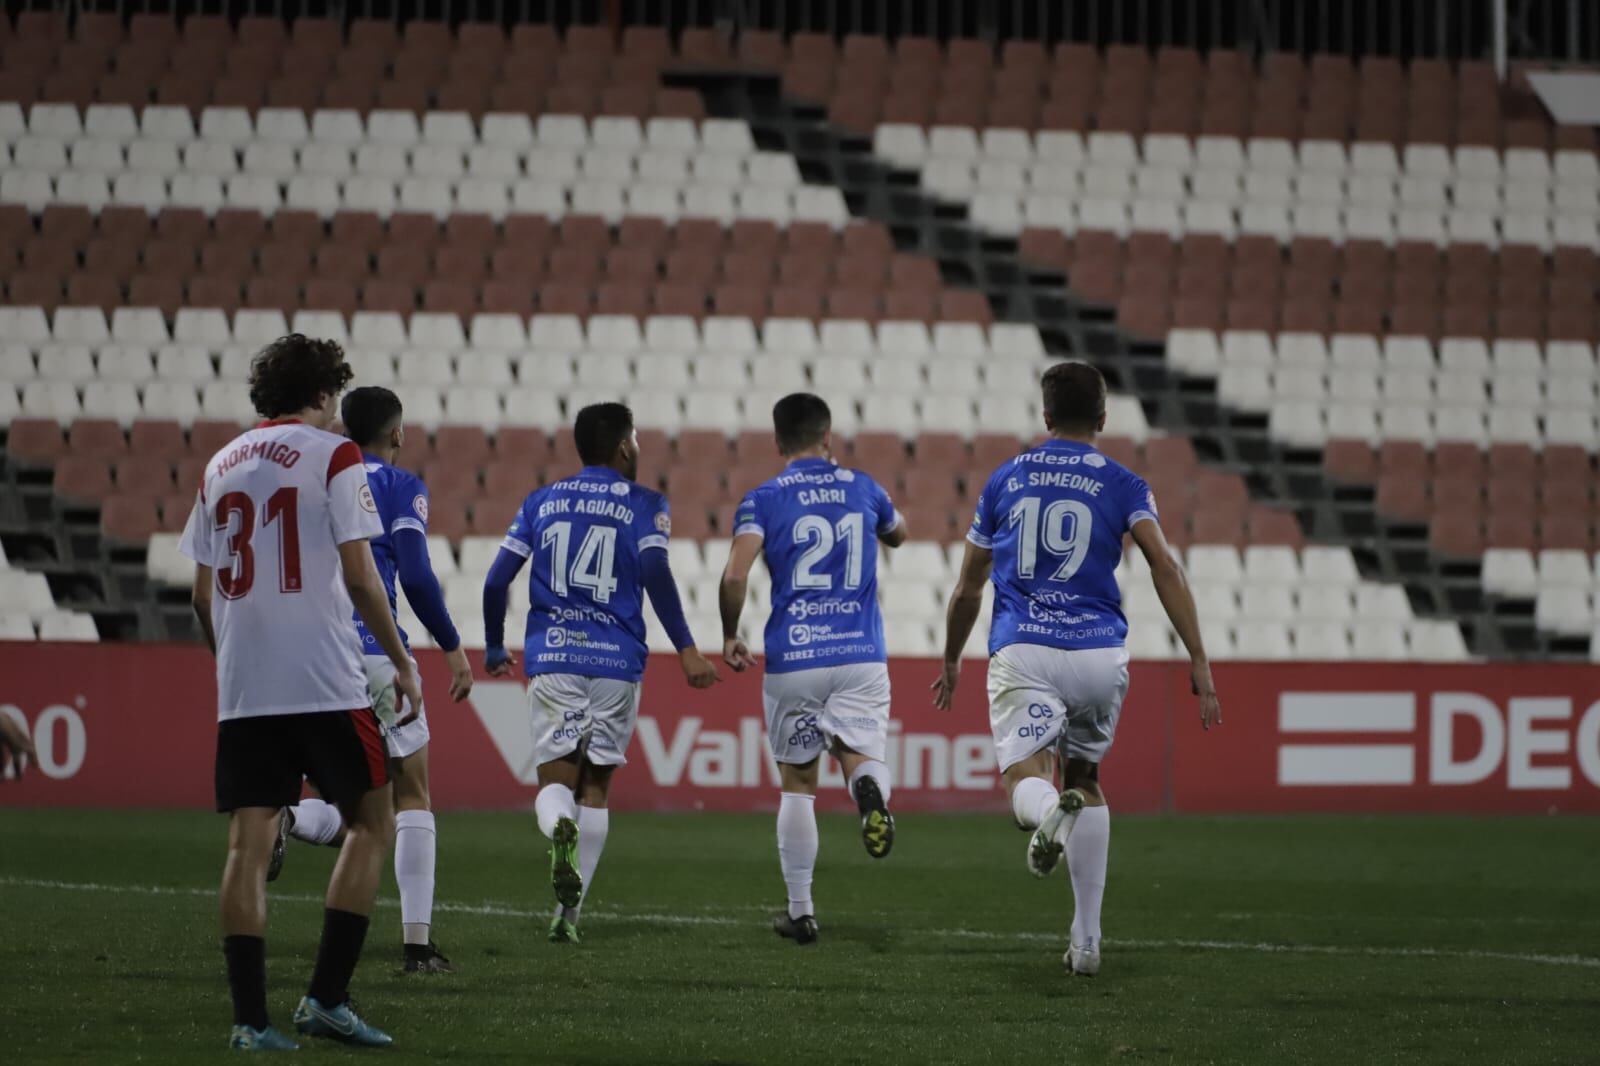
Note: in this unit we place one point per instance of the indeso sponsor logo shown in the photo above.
(1366, 739)
(685, 751)
(58, 736)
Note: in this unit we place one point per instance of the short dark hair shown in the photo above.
(599, 430)
(800, 420)
(1074, 397)
(369, 412)
(294, 372)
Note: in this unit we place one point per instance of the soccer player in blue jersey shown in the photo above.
(597, 542)
(1050, 524)
(373, 418)
(827, 683)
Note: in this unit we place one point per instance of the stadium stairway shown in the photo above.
(982, 275)
(1225, 438)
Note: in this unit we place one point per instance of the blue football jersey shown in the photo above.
(819, 525)
(584, 535)
(402, 501)
(1054, 517)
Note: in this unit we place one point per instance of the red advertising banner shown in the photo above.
(133, 725)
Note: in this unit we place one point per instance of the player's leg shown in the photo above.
(594, 826)
(559, 712)
(346, 759)
(1026, 717)
(613, 713)
(856, 721)
(416, 835)
(797, 849)
(793, 709)
(243, 900)
(315, 821)
(255, 776)
(415, 861)
(1095, 694)
(1088, 853)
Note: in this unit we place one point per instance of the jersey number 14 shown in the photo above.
(594, 568)
(1062, 529)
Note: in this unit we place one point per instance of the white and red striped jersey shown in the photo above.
(274, 507)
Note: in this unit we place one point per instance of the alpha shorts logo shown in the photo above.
(806, 734)
(1039, 719)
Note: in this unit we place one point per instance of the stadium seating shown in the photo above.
(1394, 266)
(504, 227)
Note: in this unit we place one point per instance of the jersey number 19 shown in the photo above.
(1063, 529)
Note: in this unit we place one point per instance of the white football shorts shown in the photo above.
(808, 710)
(1042, 697)
(567, 710)
(405, 739)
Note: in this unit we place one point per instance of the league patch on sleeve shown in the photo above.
(367, 502)
(1150, 500)
(664, 523)
(420, 505)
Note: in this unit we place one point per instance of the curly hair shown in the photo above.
(296, 372)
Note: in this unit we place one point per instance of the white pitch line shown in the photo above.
(492, 909)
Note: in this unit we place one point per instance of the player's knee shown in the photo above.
(1085, 777)
(371, 818)
(411, 793)
(799, 777)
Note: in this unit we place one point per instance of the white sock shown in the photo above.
(316, 821)
(797, 849)
(554, 803)
(1088, 850)
(878, 772)
(593, 825)
(415, 848)
(1031, 800)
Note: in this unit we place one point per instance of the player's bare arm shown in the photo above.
(372, 601)
(1172, 586)
(730, 599)
(962, 614)
(200, 598)
(896, 536)
(16, 748)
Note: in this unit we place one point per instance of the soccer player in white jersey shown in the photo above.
(597, 543)
(374, 419)
(1050, 524)
(279, 536)
(827, 683)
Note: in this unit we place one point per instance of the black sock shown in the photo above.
(343, 933)
(247, 979)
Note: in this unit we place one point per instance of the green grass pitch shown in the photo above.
(1305, 940)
